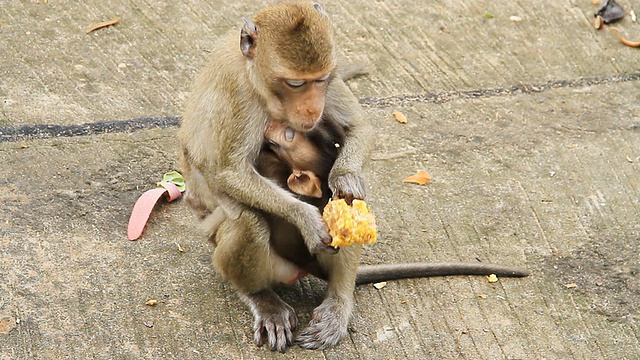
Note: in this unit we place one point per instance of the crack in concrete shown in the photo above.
(47, 131)
(519, 89)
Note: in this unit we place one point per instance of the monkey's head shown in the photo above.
(291, 56)
(292, 147)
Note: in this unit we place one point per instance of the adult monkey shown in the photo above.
(283, 70)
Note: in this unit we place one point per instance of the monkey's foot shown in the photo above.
(327, 327)
(273, 318)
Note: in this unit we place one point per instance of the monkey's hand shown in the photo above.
(315, 232)
(347, 186)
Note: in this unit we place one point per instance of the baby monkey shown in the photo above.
(305, 159)
(299, 153)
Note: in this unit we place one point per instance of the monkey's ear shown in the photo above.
(248, 37)
(320, 9)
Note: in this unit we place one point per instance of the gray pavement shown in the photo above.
(527, 118)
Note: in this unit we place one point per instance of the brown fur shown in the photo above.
(298, 34)
(263, 233)
(240, 92)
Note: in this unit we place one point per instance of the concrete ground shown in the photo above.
(527, 118)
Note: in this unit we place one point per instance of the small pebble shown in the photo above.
(598, 23)
(380, 285)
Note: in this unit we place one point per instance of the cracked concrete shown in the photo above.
(530, 130)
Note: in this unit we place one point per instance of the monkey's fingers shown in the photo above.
(274, 320)
(267, 328)
(348, 187)
(348, 197)
(279, 334)
(325, 329)
(316, 236)
(325, 248)
(322, 246)
(328, 248)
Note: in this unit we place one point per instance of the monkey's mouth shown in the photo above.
(306, 127)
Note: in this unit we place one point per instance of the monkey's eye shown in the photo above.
(295, 83)
(289, 134)
(324, 78)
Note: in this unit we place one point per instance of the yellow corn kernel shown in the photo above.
(350, 225)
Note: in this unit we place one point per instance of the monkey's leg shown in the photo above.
(243, 256)
(330, 320)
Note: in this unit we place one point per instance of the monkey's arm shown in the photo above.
(345, 179)
(236, 176)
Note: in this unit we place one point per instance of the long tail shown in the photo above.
(376, 273)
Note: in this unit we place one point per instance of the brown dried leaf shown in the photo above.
(623, 40)
(101, 25)
(421, 177)
(400, 117)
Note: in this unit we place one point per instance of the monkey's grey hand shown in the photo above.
(273, 318)
(315, 233)
(347, 186)
(327, 327)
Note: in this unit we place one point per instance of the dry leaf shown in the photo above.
(97, 26)
(623, 40)
(7, 324)
(180, 248)
(380, 285)
(571, 286)
(152, 302)
(400, 117)
(421, 177)
(492, 278)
